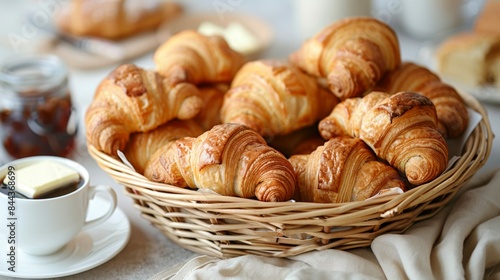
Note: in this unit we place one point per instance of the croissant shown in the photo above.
(275, 98)
(142, 145)
(347, 116)
(189, 56)
(213, 97)
(229, 159)
(452, 114)
(401, 129)
(343, 169)
(131, 99)
(353, 54)
(117, 19)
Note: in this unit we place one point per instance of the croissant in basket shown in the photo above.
(189, 56)
(132, 99)
(343, 169)
(275, 98)
(353, 54)
(229, 159)
(452, 114)
(143, 145)
(401, 129)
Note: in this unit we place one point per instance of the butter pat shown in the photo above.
(40, 178)
(237, 36)
(210, 29)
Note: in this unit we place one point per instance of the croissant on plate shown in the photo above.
(401, 129)
(343, 169)
(229, 159)
(190, 56)
(115, 19)
(142, 145)
(275, 98)
(353, 54)
(213, 97)
(452, 114)
(131, 99)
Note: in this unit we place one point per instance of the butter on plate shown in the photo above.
(238, 37)
(43, 177)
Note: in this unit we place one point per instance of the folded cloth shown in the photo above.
(462, 241)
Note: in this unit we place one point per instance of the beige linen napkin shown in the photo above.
(442, 247)
(462, 241)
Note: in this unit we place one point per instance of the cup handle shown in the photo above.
(111, 194)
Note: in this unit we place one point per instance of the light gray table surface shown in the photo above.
(148, 250)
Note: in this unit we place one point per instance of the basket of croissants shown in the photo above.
(329, 148)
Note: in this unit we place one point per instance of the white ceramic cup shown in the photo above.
(313, 16)
(429, 18)
(44, 226)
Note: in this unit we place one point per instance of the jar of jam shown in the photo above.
(36, 112)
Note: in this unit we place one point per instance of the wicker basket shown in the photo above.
(226, 226)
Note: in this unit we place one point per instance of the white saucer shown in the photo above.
(90, 248)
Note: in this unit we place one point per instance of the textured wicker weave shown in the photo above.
(225, 226)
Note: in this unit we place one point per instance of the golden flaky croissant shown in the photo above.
(275, 98)
(131, 99)
(142, 145)
(115, 19)
(452, 114)
(401, 129)
(230, 159)
(213, 97)
(192, 57)
(352, 53)
(343, 169)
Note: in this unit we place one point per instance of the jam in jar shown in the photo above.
(36, 112)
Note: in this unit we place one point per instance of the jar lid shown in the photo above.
(32, 75)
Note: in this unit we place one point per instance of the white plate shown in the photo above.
(90, 248)
(486, 93)
(258, 27)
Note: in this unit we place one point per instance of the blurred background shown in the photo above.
(292, 20)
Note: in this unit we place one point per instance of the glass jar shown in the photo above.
(36, 112)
